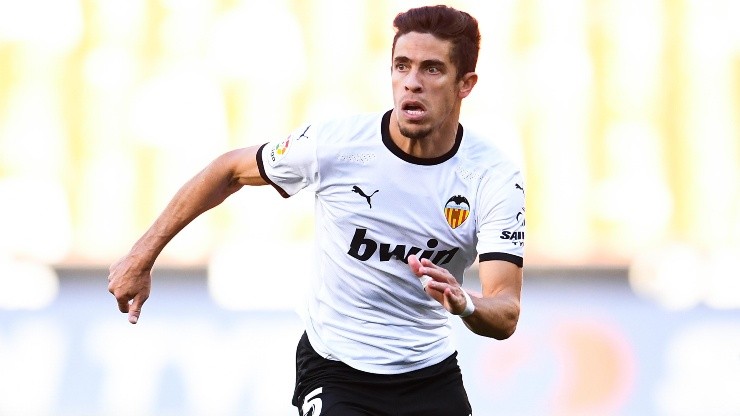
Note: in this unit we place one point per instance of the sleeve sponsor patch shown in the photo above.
(278, 151)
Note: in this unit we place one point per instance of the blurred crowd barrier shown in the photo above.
(585, 345)
(624, 114)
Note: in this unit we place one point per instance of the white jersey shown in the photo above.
(375, 206)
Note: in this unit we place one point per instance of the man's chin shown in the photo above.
(414, 132)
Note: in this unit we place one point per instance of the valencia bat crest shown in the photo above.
(457, 210)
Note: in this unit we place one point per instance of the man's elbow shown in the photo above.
(508, 324)
(504, 333)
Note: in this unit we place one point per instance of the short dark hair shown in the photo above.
(445, 23)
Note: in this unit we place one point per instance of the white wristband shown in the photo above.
(469, 306)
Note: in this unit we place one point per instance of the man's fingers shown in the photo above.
(122, 304)
(428, 263)
(438, 283)
(134, 310)
(416, 267)
(456, 302)
(133, 316)
(414, 264)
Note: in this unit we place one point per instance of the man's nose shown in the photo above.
(412, 82)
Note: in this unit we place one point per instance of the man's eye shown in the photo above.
(400, 67)
(433, 70)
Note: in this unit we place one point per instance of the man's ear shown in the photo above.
(466, 84)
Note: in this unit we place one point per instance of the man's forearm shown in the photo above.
(130, 277)
(494, 317)
(207, 189)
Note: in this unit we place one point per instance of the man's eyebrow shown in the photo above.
(425, 63)
(432, 62)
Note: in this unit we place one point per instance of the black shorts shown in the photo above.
(331, 388)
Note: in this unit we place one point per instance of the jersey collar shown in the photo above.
(385, 132)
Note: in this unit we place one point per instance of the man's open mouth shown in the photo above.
(413, 108)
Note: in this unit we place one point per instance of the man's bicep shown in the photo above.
(500, 278)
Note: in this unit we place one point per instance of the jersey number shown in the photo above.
(312, 404)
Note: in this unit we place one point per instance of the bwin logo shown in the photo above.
(363, 248)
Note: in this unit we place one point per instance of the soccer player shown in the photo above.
(405, 201)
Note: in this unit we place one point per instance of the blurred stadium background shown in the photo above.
(625, 114)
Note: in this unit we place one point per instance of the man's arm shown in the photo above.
(130, 277)
(496, 313)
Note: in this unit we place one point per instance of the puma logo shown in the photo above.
(356, 189)
(304, 133)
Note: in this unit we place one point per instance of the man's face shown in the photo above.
(425, 90)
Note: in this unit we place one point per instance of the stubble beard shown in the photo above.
(414, 134)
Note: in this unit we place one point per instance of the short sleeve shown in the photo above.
(290, 165)
(501, 222)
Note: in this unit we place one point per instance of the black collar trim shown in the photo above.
(385, 132)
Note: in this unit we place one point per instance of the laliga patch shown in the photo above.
(279, 151)
(457, 210)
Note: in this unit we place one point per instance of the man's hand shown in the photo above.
(130, 285)
(130, 278)
(440, 284)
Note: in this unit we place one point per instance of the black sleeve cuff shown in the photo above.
(263, 174)
(518, 261)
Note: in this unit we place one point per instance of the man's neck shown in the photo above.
(437, 143)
